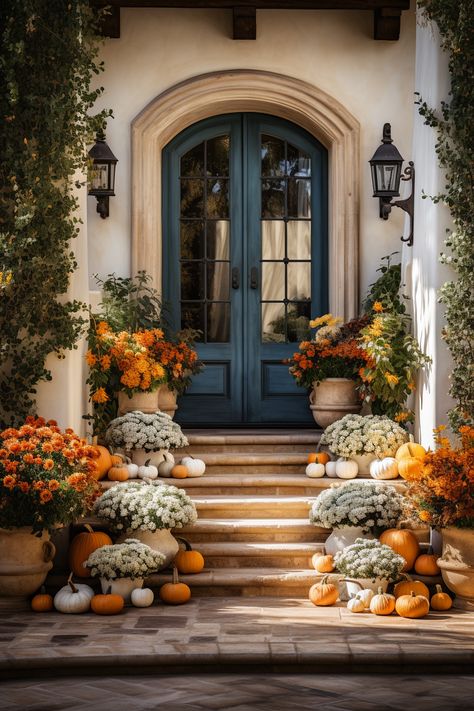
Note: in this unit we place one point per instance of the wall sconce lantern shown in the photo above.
(386, 168)
(102, 174)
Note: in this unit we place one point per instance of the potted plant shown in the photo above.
(364, 438)
(124, 566)
(148, 512)
(46, 480)
(441, 492)
(356, 509)
(329, 364)
(180, 361)
(369, 564)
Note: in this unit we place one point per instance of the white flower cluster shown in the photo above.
(130, 559)
(372, 434)
(133, 506)
(364, 504)
(138, 430)
(369, 559)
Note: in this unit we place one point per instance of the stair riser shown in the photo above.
(198, 450)
(279, 590)
(302, 562)
(244, 490)
(252, 537)
(276, 511)
(298, 468)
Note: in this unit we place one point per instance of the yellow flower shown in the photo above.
(100, 396)
(378, 306)
(391, 379)
(320, 320)
(102, 327)
(376, 328)
(105, 362)
(402, 416)
(91, 359)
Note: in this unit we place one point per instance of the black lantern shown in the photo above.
(386, 168)
(102, 174)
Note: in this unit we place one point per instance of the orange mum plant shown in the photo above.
(442, 491)
(46, 476)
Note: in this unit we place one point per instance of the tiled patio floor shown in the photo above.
(234, 634)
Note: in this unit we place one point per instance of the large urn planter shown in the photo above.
(457, 565)
(145, 402)
(141, 456)
(342, 537)
(25, 561)
(355, 585)
(333, 398)
(167, 400)
(363, 462)
(161, 540)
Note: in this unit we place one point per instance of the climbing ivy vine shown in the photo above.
(48, 58)
(454, 123)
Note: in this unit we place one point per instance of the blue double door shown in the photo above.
(245, 262)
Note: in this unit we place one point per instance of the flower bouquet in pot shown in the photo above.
(124, 566)
(148, 512)
(356, 509)
(370, 564)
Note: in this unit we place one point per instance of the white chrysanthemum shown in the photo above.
(369, 559)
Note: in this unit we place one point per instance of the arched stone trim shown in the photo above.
(265, 92)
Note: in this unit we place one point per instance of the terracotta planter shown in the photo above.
(333, 398)
(121, 586)
(342, 537)
(25, 560)
(457, 565)
(167, 400)
(161, 540)
(145, 402)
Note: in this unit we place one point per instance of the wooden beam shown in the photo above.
(264, 4)
(245, 23)
(387, 23)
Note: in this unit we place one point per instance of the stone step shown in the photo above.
(239, 506)
(259, 463)
(263, 530)
(220, 556)
(252, 441)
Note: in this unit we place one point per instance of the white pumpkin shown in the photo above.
(355, 604)
(386, 468)
(196, 467)
(331, 469)
(365, 596)
(315, 470)
(73, 598)
(346, 468)
(164, 469)
(148, 471)
(132, 469)
(142, 597)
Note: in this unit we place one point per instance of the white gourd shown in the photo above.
(196, 467)
(346, 468)
(331, 469)
(148, 471)
(355, 604)
(366, 596)
(315, 470)
(132, 469)
(73, 598)
(142, 597)
(386, 468)
(165, 467)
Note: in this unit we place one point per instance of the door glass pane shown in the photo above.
(273, 239)
(273, 281)
(192, 316)
(299, 197)
(298, 322)
(273, 156)
(218, 323)
(218, 156)
(273, 198)
(192, 162)
(192, 198)
(273, 323)
(299, 281)
(217, 199)
(192, 280)
(299, 239)
(298, 162)
(218, 239)
(217, 281)
(192, 239)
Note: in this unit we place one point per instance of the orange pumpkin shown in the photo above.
(412, 606)
(409, 467)
(403, 542)
(426, 564)
(42, 602)
(318, 458)
(323, 563)
(406, 587)
(107, 604)
(324, 593)
(82, 546)
(179, 471)
(119, 473)
(175, 593)
(441, 600)
(188, 561)
(117, 460)
(103, 461)
(382, 603)
(410, 449)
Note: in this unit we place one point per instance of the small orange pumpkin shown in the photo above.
(426, 564)
(42, 602)
(103, 461)
(179, 471)
(409, 450)
(119, 473)
(403, 542)
(318, 458)
(188, 561)
(117, 460)
(382, 603)
(441, 600)
(175, 593)
(107, 604)
(323, 563)
(412, 606)
(82, 546)
(409, 466)
(324, 593)
(406, 587)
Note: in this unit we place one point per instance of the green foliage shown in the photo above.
(454, 124)
(386, 290)
(48, 58)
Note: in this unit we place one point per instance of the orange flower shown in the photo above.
(24, 487)
(100, 396)
(45, 496)
(9, 481)
(378, 306)
(47, 447)
(102, 328)
(53, 485)
(48, 464)
(105, 362)
(28, 458)
(38, 485)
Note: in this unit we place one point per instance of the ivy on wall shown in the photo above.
(48, 57)
(454, 122)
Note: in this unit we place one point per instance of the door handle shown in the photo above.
(254, 278)
(235, 278)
